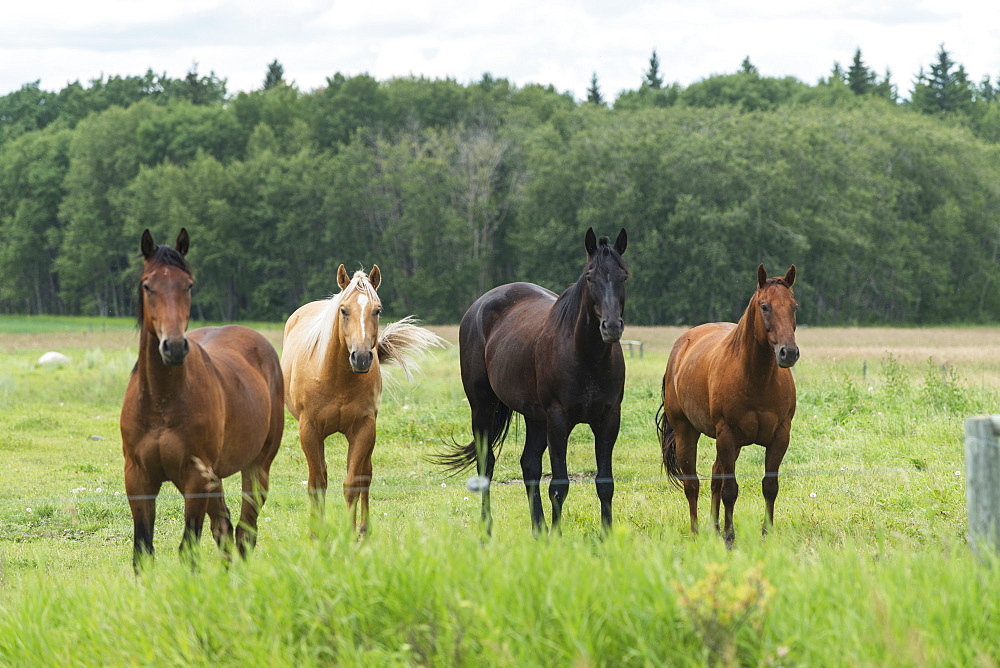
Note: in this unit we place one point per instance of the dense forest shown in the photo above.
(889, 205)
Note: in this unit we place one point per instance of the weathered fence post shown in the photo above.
(982, 481)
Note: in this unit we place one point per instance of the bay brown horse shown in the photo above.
(199, 406)
(331, 360)
(557, 361)
(732, 382)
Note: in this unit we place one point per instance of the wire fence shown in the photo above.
(474, 484)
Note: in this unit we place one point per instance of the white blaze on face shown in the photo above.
(362, 304)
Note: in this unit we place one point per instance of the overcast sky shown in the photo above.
(558, 42)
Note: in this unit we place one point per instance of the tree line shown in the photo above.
(888, 206)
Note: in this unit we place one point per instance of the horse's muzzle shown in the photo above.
(787, 356)
(361, 362)
(173, 351)
(611, 331)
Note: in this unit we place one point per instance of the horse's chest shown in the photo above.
(589, 395)
(755, 426)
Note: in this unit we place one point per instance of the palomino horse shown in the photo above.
(555, 360)
(331, 362)
(198, 408)
(732, 382)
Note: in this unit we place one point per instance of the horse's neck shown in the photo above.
(755, 354)
(587, 339)
(335, 360)
(158, 379)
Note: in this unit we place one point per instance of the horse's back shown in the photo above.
(508, 316)
(503, 305)
(238, 346)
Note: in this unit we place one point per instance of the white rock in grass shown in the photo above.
(53, 358)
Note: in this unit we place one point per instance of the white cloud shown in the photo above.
(560, 42)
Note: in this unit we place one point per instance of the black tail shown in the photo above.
(668, 445)
(462, 457)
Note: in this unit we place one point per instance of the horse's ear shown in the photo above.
(621, 242)
(343, 280)
(761, 276)
(375, 276)
(183, 242)
(790, 276)
(590, 241)
(148, 245)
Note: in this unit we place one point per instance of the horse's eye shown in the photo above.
(765, 308)
(149, 290)
(378, 311)
(343, 312)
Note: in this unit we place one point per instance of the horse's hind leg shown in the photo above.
(489, 419)
(360, 445)
(255, 484)
(686, 451)
(256, 480)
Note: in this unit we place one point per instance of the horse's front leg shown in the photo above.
(724, 475)
(531, 471)
(141, 492)
(557, 433)
(360, 444)
(198, 485)
(605, 436)
(313, 440)
(774, 453)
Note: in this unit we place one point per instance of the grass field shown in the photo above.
(868, 563)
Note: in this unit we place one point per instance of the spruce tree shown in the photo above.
(652, 78)
(275, 75)
(594, 92)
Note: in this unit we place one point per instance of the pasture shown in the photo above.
(867, 563)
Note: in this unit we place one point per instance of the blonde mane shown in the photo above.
(318, 331)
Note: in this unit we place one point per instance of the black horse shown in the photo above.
(555, 360)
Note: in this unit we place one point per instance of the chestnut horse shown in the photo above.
(331, 359)
(555, 360)
(199, 407)
(732, 382)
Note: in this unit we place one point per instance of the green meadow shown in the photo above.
(867, 565)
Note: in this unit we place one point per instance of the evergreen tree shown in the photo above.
(594, 91)
(885, 89)
(860, 79)
(652, 78)
(746, 67)
(946, 89)
(275, 75)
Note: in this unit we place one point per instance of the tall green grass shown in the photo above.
(867, 564)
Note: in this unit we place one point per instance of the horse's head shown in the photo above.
(777, 307)
(605, 276)
(360, 309)
(164, 299)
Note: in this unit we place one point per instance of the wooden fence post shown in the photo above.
(982, 481)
